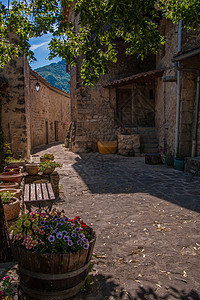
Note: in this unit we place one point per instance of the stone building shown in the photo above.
(30, 118)
(146, 106)
(177, 96)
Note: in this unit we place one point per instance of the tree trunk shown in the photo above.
(5, 248)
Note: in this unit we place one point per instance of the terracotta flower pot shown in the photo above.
(32, 168)
(11, 177)
(11, 210)
(12, 185)
(49, 170)
(15, 168)
(16, 192)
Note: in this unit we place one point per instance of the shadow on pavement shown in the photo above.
(114, 174)
(105, 288)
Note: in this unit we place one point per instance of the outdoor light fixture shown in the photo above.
(37, 86)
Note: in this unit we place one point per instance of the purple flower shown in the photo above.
(51, 238)
(55, 230)
(64, 232)
(85, 240)
(81, 235)
(77, 229)
(42, 222)
(69, 224)
(73, 234)
(59, 235)
(65, 219)
(79, 242)
(66, 238)
(49, 226)
(59, 224)
(70, 243)
(85, 246)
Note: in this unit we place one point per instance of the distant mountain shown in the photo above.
(56, 75)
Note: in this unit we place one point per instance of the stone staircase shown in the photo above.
(148, 139)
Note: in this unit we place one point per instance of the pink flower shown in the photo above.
(41, 231)
(6, 277)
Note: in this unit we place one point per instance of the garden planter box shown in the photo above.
(52, 276)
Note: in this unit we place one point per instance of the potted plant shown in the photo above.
(11, 205)
(32, 168)
(6, 289)
(53, 254)
(12, 185)
(14, 168)
(11, 176)
(48, 167)
(47, 157)
(15, 192)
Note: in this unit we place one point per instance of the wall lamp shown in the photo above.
(37, 85)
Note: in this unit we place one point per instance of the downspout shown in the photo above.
(178, 90)
(194, 139)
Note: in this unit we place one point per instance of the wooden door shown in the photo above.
(56, 130)
(124, 107)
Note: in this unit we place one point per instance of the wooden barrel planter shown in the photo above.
(52, 276)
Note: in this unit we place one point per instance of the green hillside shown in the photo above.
(56, 75)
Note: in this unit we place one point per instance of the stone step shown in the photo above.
(148, 140)
(150, 150)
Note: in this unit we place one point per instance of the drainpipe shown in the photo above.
(178, 90)
(194, 139)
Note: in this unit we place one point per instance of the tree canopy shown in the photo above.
(101, 24)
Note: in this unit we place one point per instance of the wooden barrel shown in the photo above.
(52, 276)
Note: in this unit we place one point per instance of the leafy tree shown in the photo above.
(101, 24)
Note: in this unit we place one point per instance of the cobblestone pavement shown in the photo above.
(146, 219)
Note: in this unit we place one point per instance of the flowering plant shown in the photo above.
(6, 289)
(6, 197)
(51, 233)
(48, 165)
(48, 156)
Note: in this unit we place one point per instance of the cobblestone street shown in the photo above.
(146, 219)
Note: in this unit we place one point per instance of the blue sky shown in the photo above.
(40, 48)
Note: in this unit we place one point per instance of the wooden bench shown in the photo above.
(39, 195)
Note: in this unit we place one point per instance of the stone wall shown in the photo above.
(190, 39)
(14, 118)
(94, 118)
(129, 144)
(50, 110)
(188, 95)
(26, 114)
(165, 102)
(94, 109)
(166, 90)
